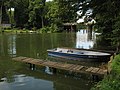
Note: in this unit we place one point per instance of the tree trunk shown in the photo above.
(118, 47)
(1, 17)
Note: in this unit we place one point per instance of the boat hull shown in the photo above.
(97, 58)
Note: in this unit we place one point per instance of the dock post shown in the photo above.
(94, 77)
(54, 70)
(32, 66)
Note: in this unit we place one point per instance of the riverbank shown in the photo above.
(19, 31)
(111, 81)
(24, 30)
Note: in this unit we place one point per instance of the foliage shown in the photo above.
(51, 29)
(67, 10)
(44, 30)
(111, 81)
(39, 13)
(59, 12)
(3, 11)
(36, 13)
(21, 12)
(107, 17)
(116, 65)
(52, 14)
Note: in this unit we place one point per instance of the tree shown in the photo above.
(10, 10)
(52, 13)
(36, 13)
(67, 10)
(4, 17)
(107, 15)
(21, 12)
(116, 33)
(61, 11)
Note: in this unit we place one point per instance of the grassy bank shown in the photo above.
(33, 30)
(20, 31)
(112, 80)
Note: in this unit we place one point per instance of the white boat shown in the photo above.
(77, 54)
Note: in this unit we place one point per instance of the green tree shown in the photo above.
(21, 12)
(61, 11)
(107, 15)
(10, 10)
(4, 17)
(52, 13)
(67, 10)
(36, 13)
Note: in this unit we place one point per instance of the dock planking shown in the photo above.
(63, 66)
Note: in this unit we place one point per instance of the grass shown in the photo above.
(16, 31)
(112, 80)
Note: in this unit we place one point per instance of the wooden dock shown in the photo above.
(62, 66)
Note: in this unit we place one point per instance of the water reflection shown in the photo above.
(47, 70)
(85, 39)
(40, 81)
(22, 82)
(12, 45)
(8, 45)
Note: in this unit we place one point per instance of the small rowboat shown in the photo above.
(77, 54)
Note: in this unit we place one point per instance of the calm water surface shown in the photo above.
(17, 76)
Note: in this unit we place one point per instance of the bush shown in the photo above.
(111, 81)
(116, 65)
(44, 30)
(53, 28)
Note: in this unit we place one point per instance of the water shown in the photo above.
(17, 76)
(22, 82)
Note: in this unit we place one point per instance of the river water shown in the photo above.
(18, 76)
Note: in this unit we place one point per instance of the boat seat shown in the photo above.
(60, 51)
(69, 51)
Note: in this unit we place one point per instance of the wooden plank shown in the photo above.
(66, 65)
(32, 61)
(19, 58)
(70, 68)
(89, 69)
(63, 66)
(95, 70)
(77, 66)
(36, 62)
(81, 67)
(39, 61)
(58, 65)
(101, 71)
(105, 71)
(50, 64)
(55, 65)
(27, 60)
(46, 63)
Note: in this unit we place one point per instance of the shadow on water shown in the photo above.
(84, 62)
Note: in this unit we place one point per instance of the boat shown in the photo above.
(79, 54)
